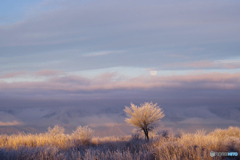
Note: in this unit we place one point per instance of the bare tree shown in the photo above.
(146, 116)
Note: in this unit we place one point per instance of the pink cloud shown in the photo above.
(231, 65)
(47, 72)
(206, 64)
(78, 83)
(13, 74)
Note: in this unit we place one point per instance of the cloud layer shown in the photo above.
(71, 35)
(114, 81)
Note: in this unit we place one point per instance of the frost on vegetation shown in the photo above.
(56, 131)
(80, 145)
(199, 145)
(82, 135)
(146, 116)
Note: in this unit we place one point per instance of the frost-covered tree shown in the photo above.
(146, 116)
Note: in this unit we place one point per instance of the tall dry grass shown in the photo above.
(199, 145)
(165, 145)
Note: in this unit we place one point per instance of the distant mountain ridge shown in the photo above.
(99, 131)
(16, 129)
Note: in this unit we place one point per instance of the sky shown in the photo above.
(73, 62)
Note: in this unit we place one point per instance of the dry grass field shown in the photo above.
(80, 145)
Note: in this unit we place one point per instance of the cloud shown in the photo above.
(105, 22)
(109, 81)
(102, 53)
(72, 33)
(47, 72)
(206, 64)
(198, 64)
(12, 74)
(230, 64)
(26, 74)
(13, 123)
(69, 80)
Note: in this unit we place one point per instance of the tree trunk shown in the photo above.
(146, 134)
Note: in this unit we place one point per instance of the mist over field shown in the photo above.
(185, 110)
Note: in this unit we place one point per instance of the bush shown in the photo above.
(82, 135)
(56, 131)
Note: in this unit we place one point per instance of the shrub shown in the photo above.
(82, 135)
(56, 131)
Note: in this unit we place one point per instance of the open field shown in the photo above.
(56, 145)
